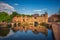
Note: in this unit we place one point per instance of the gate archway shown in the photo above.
(35, 23)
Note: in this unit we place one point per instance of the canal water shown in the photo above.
(26, 35)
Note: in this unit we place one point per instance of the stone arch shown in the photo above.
(9, 25)
(35, 23)
(15, 25)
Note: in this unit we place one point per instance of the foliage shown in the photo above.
(43, 24)
(7, 18)
(14, 14)
(29, 15)
(57, 21)
(4, 17)
(46, 25)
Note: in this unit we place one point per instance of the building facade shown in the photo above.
(27, 20)
(54, 18)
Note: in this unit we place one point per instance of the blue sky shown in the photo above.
(34, 6)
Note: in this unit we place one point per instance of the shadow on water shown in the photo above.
(53, 34)
(37, 32)
(4, 31)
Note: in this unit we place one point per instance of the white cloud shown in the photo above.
(16, 4)
(23, 9)
(6, 7)
(36, 10)
(41, 10)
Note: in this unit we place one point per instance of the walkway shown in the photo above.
(56, 30)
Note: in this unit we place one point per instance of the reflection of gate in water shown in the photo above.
(16, 24)
(35, 23)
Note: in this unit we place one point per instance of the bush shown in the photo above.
(57, 21)
(43, 24)
(46, 25)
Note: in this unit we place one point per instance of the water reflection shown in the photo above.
(26, 33)
(29, 35)
(4, 31)
(35, 30)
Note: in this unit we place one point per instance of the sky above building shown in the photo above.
(33, 6)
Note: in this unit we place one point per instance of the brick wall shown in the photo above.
(30, 20)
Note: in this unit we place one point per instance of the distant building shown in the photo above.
(36, 18)
(54, 17)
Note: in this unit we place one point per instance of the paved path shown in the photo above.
(56, 30)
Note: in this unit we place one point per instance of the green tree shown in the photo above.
(14, 14)
(4, 16)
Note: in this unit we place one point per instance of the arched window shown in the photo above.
(18, 24)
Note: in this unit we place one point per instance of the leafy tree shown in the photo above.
(13, 14)
(4, 16)
(45, 24)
